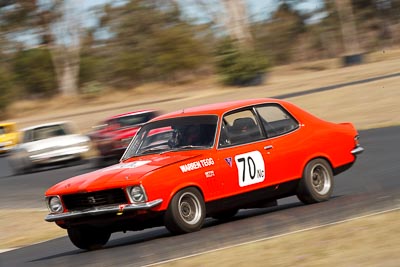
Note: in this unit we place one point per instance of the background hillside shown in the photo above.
(53, 49)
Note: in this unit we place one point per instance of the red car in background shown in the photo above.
(112, 136)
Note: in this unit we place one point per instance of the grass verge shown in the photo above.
(22, 227)
(367, 241)
(370, 241)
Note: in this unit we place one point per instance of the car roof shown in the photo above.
(218, 108)
(136, 112)
(45, 124)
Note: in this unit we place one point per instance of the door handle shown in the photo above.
(268, 147)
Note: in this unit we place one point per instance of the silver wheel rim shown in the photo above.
(320, 179)
(189, 208)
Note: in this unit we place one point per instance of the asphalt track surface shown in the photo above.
(371, 185)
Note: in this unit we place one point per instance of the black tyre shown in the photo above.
(15, 169)
(225, 215)
(19, 167)
(316, 184)
(186, 212)
(88, 238)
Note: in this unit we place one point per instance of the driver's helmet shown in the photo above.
(176, 138)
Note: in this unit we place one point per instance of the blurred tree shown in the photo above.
(228, 16)
(55, 24)
(348, 27)
(238, 60)
(65, 44)
(278, 35)
(34, 71)
(238, 65)
(327, 37)
(93, 56)
(237, 22)
(6, 85)
(376, 19)
(149, 41)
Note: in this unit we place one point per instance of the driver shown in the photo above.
(192, 135)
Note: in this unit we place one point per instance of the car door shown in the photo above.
(287, 148)
(243, 152)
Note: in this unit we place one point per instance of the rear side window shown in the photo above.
(239, 128)
(136, 119)
(276, 120)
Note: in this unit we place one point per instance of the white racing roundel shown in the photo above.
(251, 168)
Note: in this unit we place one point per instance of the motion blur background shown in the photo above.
(86, 60)
(52, 48)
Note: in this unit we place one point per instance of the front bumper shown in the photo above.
(102, 210)
(58, 155)
(6, 147)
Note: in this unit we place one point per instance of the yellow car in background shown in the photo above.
(9, 136)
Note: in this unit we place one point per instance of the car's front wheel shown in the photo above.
(316, 184)
(20, 163)
(88, 238)
(186, 212)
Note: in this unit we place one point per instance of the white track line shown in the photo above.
(273, 237)
(5, 250)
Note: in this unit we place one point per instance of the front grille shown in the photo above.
(94, 199)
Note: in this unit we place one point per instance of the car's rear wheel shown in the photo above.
(225, 215)
(316, 184)
(20, 165)
(88, 238)
(186, 212)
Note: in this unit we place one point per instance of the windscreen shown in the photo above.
(182, 133)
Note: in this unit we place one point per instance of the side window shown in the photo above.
(27, 136)
(276, 120)
(239, 128)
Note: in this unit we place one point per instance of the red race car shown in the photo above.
(112, 136)
(207, 161)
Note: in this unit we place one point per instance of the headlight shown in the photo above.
(137, 194)
(54, 204)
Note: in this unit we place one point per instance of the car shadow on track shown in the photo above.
(244, 214)
(137, 238)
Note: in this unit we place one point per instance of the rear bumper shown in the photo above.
(102, 210)
(357, 150)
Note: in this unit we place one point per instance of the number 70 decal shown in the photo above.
(251, 168)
